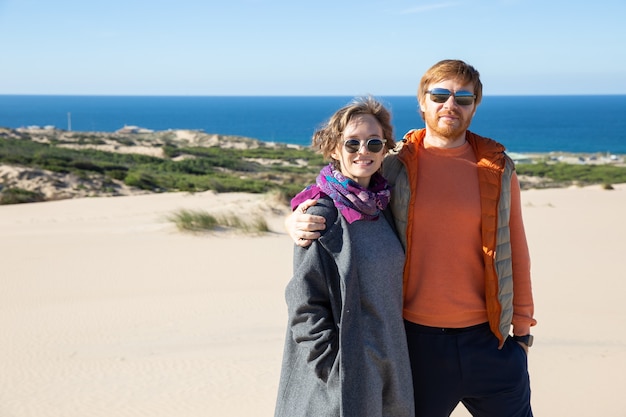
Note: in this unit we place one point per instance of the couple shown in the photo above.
(402, 304)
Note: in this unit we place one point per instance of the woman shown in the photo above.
(345, 350)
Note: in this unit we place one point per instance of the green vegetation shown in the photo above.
(257, 168)
(562, 174)
(202, 221)
(196, 162)
(18, 196)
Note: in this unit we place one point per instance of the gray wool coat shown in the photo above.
(345, 350)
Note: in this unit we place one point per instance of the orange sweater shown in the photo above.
(446, 285)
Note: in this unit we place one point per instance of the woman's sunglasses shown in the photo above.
(374, 145)
(441, 95)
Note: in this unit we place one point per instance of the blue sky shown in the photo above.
(322, 47)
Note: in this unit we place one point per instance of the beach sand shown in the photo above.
(106, 309)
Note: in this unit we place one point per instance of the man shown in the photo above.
(456, 206)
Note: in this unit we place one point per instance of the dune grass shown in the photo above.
(197, 221)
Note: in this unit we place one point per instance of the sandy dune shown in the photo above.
(107, 310)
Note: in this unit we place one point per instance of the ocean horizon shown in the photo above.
(524, 124)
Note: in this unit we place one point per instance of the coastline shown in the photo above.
(107, 309)
(84, 175)
(521, 122)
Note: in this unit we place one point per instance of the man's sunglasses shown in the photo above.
(441, 95)
(374, 145)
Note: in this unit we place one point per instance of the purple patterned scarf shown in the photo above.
(352, 200)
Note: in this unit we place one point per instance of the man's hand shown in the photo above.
(302, 227)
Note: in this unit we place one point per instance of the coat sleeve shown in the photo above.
(313, 309)
(523, 306)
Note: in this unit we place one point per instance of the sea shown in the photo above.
(524, 124)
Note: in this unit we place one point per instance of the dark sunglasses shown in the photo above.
(441, 95)
(374, 145)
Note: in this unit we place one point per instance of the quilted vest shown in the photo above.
(495, 170)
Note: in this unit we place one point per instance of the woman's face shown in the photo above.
(361, 165)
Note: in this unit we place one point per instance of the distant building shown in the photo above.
(519, 158)
(133, 129)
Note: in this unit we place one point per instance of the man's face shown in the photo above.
(448, 120)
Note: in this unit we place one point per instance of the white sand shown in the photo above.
(107, 310)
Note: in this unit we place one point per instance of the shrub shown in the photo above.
(142, 180)
(19, 196)
(117, 174)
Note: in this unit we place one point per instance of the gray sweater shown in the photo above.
(345, 350)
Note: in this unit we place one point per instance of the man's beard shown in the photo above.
(448, 131)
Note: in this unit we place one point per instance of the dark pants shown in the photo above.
(464, 365)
